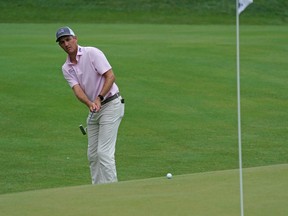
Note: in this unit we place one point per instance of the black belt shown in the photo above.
(110, 98)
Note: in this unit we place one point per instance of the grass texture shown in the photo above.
(179, 83)
(202, 194)
(273, 12)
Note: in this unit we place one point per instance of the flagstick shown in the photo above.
(239, 111)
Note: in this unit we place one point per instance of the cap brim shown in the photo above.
(63, 36)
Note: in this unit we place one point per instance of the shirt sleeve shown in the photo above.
(99, 61)
(70, 76)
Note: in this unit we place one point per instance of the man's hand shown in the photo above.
(94, 106)
(97, 104)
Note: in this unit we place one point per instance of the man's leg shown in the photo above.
(111, 116)
(92, 151)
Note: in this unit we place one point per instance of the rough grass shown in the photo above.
(143, 11)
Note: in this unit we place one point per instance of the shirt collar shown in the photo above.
(80, 50)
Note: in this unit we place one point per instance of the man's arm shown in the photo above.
(79, 93)
(109, 80)
(96, 105)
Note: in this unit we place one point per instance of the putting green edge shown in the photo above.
(211, 193)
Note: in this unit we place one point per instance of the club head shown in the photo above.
(82, 129)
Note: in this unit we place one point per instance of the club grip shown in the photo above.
(82, 129)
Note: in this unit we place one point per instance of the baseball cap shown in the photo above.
(64, 31)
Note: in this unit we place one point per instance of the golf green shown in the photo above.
(203, 194)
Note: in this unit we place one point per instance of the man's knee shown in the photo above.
(92, 156)
(105, 158)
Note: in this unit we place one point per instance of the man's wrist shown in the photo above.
(101, 97)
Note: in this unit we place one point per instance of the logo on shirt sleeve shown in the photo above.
(71, 70)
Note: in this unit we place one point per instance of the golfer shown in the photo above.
(92, 80)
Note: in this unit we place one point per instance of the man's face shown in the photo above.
(68, 44)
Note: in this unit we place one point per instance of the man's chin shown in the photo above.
(69, 51)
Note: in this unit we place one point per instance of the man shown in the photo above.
(92, 80)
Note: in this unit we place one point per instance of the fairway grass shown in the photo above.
(179, 85)
(202, 194)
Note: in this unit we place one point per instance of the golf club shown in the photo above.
(84, 130)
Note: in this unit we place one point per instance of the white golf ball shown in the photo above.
(169, 175)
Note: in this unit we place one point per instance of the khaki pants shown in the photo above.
(102, 134)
